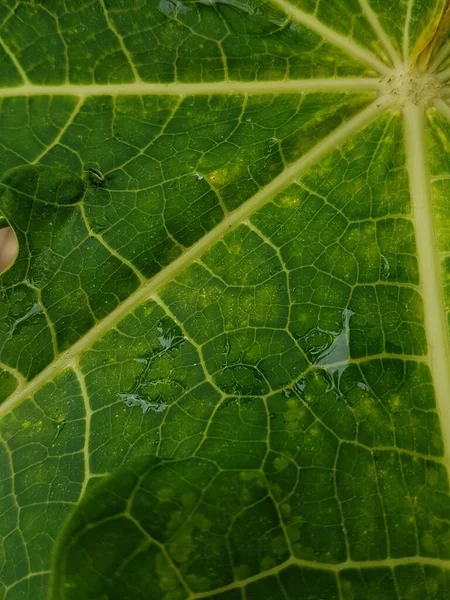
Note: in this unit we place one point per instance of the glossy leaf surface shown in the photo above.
(224, 356)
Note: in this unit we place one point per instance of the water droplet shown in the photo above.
(236, 3)
(34, 310)
(132, 400)
(169, 334)
(279, 21)
(59, 427)
(243, 380)
(276, 270)
(385, 267)
(172, 8)
(339, 351)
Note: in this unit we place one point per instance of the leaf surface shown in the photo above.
(224, 351)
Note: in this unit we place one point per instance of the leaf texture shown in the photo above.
(224, 355)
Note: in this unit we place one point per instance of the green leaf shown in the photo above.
(224, 352)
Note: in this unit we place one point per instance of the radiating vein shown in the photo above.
(444, 108)
(344, 84)
(427, 253)
(406, 31)
(444, 75)
(441, 55)
(432, 38)
(338, 40)
(372, 18)
(444, 50)
(231, 221)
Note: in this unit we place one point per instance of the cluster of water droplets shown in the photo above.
(149, 390)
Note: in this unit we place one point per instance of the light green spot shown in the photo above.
(281, 463)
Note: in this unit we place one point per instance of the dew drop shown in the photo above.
(132, 400)
(34, 310)
(385, 267)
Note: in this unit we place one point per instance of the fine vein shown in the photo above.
(120, 40)
(101, 240)
(87, 432)
(443, 51)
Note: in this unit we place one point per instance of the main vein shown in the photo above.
(141, 88)
(428, 257)
(233, 220)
